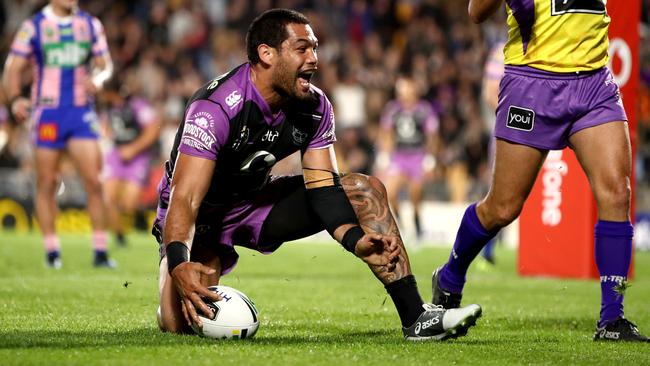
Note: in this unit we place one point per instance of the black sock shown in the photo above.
(406, 298)
(418, 227)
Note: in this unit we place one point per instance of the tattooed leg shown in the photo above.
(369, 199)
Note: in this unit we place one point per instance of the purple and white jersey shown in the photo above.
(410, 124)
(228, 121)
(128, 121)
(60, 50)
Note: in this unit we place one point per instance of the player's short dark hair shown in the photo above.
(270, 28)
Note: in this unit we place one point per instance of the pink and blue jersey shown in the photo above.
(60, 50)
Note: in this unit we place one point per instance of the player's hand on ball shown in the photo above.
(187, 280)
(378, 250)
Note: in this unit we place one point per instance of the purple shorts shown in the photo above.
(543, 109)
(134, 171)
(221, 227)
(408, 163)
(54, 127)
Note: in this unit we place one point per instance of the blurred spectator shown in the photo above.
(349, 101)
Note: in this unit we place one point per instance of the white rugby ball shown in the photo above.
(235, 316)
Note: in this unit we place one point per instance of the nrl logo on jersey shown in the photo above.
(298, 136)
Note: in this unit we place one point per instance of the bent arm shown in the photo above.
(192, 176)
(147, 138)
(18, 105)
(102, 70)
(480, 10)
(12, 77)
(102, 66)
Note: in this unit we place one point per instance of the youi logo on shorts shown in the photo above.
(520, 118)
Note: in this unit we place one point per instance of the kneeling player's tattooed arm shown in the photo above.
(381, 250)
(369, 200)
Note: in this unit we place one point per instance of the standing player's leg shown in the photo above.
(394, 184)
(86, 156)
(488, 249)
(515, 169)
(130, 200)
(415, 195)
(47, 169)
(113, 190)
(369, 199)
(604, 153)
(122, 198)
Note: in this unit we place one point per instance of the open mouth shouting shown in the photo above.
(304, 79)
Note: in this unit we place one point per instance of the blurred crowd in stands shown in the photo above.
(174, 46)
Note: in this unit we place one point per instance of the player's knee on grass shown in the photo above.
(169, 322)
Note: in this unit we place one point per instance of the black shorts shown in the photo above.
(280, 212)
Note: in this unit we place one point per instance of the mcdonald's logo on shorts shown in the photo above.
(47, 131)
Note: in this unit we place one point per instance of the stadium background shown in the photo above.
(174, 46)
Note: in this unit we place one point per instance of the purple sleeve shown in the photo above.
(4, 115)
(386, 121)
(144, 112)
(206, 130)
(431, 124)
(325, 135)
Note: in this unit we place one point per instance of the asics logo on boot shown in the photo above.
(426, 324)
(609, 335)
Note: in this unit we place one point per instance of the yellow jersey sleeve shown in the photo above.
(557, 35)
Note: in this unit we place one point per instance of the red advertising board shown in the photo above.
(556, 227)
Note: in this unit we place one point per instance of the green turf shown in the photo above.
(319, 306)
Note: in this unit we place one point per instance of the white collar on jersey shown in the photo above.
(48, 12)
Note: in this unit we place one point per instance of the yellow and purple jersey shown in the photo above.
(557, 35)
(60, 49)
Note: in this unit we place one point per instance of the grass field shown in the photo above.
(319, 306)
